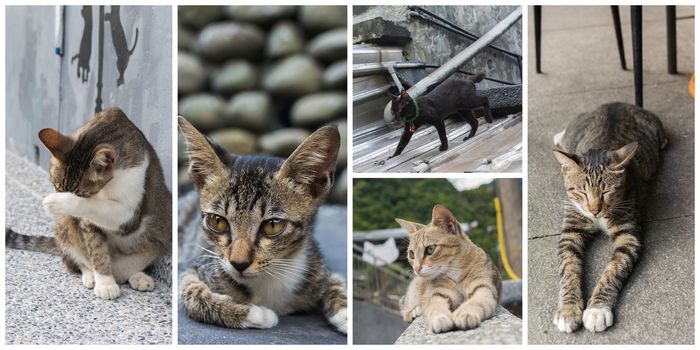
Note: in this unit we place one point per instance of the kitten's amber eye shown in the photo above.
(217, 223)
(273, 227)
(429, 250)
(411, 255)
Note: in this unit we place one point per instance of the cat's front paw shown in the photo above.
(88, 278)
(62, 203)
(142, 282)
(260, 317)
(443, 148)
(410, 315)
(106, 287)
(340, 320)
(597, 319)
(568, 318)
(467, 317)
(441, 323)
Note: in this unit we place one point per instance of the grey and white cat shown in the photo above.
(608, 157)
(112, 206)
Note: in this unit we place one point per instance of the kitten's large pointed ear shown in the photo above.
(567, 161)
(57, 143)
(623, 155)
(312, 165)
(409, 226)
(104, 158)
(205, 165)
(444, 219)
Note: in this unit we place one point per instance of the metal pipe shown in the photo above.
(618, 35)
(449, 67)
(538, 38)
(636, 17)
(671, 39)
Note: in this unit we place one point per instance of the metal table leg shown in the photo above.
(618, 35)
(636, 17)
(671, 39)
(538, 37)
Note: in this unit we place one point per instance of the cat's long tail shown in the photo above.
(477, 78)
(41, 244)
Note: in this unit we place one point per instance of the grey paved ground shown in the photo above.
(46, 305)
(503, 328)
(582, 71)
(330, 230)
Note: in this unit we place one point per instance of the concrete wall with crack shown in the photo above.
(425, 42)
(112, 56)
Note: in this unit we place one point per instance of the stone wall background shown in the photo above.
(260, 79)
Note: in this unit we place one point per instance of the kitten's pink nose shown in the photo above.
(595, 208)
(417, 268)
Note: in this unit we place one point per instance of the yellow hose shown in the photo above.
(502, 241)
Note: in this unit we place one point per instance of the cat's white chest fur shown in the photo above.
(602, 224)
(277, 292)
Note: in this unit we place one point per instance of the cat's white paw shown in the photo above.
(441, 323)
(106, 287)
(142, 282)
(340, 320)
(88, 279)
(467, 316)
(260, 317)
(62, 203)
(568, 318)
(597, 319)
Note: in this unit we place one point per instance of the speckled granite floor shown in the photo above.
(46, 305)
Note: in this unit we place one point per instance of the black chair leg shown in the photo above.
(671, 39)
(618, 35)
(636, 17)
(538, 37)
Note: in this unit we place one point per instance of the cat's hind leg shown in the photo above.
(335, 303)
(203, 305)
(129, 268)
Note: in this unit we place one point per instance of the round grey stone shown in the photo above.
(260, 14)
(185, 38)
(319, 18)
(285, 38)
(198, 16)
(318, 108)
(236, 141)
(221, 41)
(204, 111)
(282, 142)
(336, 75)
(235, 76)
(329, 46)
(191, 74)
(295, 75)
(251, 110)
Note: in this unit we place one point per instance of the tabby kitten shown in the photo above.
(455, 285)
(608, 157)
(260, 260)
(112, 206)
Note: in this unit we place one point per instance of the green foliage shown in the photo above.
(376, 202)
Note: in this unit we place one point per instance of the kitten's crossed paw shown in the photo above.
(467, 317)
(142, 282)
(568, 318)
(597, 319)
(107, 291)
(88, 279)
(260, 317)
(340, 320)
(441, 323)
(62, 203)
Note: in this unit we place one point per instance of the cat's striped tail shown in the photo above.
(41, 244)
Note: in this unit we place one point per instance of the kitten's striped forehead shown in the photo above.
(595, 163)
(248, 187)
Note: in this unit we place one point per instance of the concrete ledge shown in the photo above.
(503, 328)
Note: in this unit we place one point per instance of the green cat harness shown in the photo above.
(411, 126)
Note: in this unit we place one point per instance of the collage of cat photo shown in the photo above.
(510, 174)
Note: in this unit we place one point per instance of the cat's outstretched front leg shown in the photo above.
(438, 317)
(481, 305)
(203, 305)
(335, 303)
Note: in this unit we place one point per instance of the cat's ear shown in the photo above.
(58, 144)
(312, 165)
(567, 162)
(444, 219)
(205, 165)
(409, 226)
(623, 155)
(104, 158)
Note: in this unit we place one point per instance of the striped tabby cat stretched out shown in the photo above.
(456, 285)
(608, 157)
(112, 206)
(260, 260)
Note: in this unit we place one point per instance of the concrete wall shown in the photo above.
(434, 45)
(48, 90)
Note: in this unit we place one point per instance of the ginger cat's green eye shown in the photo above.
(411, 255)
(273, 227)
(429, 250)
(216, 223)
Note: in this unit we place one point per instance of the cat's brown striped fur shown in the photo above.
(608, 157)
(457, 285)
